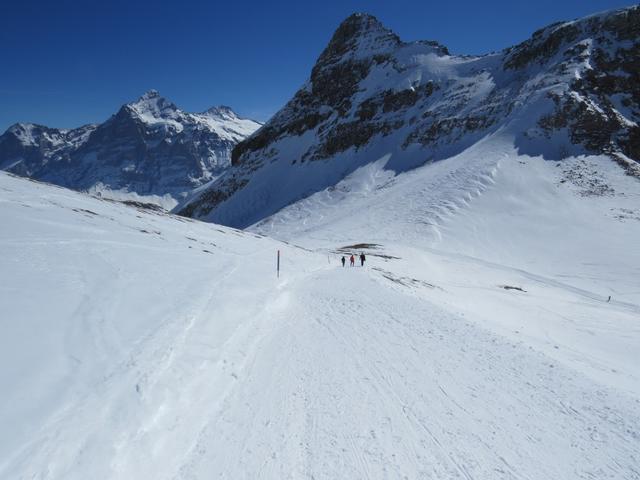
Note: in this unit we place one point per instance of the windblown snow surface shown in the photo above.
(477, 342)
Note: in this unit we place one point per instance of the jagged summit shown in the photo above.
(362, 35)
(23, 131)
(27, 129)
(358, 25)
(21, 126)
(152, 93)
(153, 105)
(359, 35)
(221, 111)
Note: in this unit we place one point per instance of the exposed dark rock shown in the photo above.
(257, 141)
(211, 198)
(543, 45)
(394, 101)
(631, 144)
(589, 114)
(444, 128)
(334, 86)
(347, 135)
(347, 36)
(625, 24)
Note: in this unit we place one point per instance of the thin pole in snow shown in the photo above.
(278, 264)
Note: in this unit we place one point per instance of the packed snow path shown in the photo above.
(348, 385)
(330, 378)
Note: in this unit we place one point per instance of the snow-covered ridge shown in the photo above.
(153, 105)
(151, 108)
(150, 147)
(571, 89)
(226, 123)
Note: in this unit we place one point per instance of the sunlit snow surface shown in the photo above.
(478, 342)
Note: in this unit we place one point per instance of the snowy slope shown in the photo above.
(115, 322)
(142, 345)
(488, 218)
(571, 89)
(149, 147)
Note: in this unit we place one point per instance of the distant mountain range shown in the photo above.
(149, 147)
(573, 88)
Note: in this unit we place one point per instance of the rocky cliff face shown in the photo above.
(571, 88)
(594, 64)
(148, 147)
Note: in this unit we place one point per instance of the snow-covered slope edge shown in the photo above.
(113, 317)
(571, 89)
(150, 147)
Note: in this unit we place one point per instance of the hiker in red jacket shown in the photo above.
(352, 261)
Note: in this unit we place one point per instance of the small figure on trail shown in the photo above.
(362, 259)
(352, 261)
(343, 260)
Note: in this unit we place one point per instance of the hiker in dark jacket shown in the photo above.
(343, 260)
(362, 259)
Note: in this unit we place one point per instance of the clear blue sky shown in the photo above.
(66, 63)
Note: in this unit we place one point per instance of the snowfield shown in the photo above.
(478, 342)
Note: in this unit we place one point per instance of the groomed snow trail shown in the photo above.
(362, 380)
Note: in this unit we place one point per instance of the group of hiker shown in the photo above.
(352, 260)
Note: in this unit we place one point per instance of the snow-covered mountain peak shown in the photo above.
(226, 123)
(24, 132)
(149, 94)
(221, 111)
(149, 147)
(32, 135)
(152, 106)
